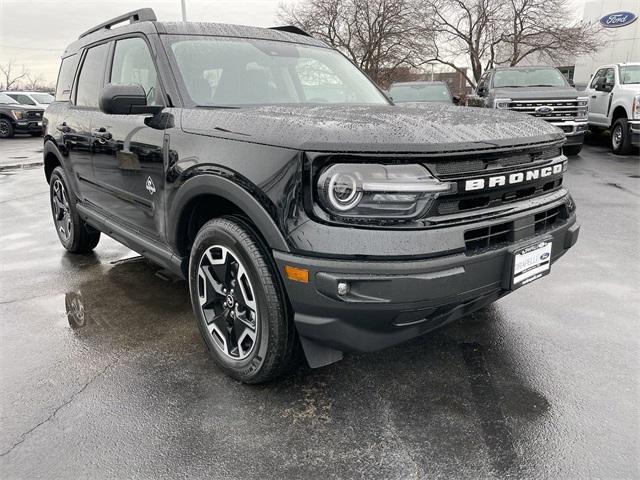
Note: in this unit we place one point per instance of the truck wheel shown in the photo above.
(74, 234)
(572, 150)
(620, 137)
(6, 129)
(239, 302)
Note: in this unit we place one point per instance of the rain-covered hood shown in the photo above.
(415, 128)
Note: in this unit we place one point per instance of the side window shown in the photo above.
(594, 80)
(132, 63)
(92, 76)
(22, 99)
(65, 78)
(609, 77)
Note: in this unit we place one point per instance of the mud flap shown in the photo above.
(319, 355)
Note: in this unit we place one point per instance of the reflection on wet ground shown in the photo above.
(104, 373)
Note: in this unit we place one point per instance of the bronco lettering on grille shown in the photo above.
(512, 178)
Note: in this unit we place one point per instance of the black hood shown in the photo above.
(415, 128)
(542, 93)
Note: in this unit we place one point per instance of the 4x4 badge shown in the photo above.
(151, 188)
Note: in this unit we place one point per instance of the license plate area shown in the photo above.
(530, 262)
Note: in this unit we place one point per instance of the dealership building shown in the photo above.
(622, 29)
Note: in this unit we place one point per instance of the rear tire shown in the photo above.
(74, 234)
(621, 137)
(572, 150)
(6, 129)
(239, 302)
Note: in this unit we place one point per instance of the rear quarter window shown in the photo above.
(67, 72)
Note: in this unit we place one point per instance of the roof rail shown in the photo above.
(141, 15)
(291, 29)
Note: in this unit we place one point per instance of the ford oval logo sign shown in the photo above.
(618, 19)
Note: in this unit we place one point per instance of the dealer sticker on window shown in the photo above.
(530, 263)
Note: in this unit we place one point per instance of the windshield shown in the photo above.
(424, 92)
(44, 98)
(529, 77)
(630, 74)
(4, 98)
(233, 72)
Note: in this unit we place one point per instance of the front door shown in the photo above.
(599, 100)
(128, 151)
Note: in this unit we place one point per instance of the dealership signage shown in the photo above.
(618, 19)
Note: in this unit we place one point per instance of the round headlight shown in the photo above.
(344, 191)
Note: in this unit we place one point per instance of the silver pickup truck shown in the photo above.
(539, 91)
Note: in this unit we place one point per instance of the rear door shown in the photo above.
(75, 124)
(128, 150)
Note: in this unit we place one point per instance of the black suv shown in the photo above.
(302, 206)
(16, 118)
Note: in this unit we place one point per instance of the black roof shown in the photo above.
(144, 21)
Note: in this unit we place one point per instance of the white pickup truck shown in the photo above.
(614, 104)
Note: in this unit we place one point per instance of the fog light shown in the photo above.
(343, 288)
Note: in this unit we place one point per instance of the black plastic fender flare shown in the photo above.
(211, 184)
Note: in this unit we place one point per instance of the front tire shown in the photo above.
(239, 302)
(6, 129)
(621, 137)
(572, 150)
(74, 234)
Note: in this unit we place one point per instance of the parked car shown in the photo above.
(420, 92)
(615, 104)
(350, 226)
(33, 99)
(16, 118)
(542, 92)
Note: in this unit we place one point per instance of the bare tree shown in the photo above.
(485, 33)
(534, 31)
(462, 32)
(34, 82)
(11, 78)
(380, 36)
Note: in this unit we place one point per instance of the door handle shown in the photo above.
(593, 96)
(102, 134)
(63, 128)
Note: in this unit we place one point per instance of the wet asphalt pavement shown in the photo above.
(104, 374)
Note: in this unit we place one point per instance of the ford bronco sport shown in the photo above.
(303, 207)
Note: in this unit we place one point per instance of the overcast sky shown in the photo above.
(35, 32)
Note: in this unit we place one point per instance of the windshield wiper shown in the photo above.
(543, 85)
(510, 86)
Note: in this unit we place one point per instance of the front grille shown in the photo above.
(35, 114)
(499, 197)
(461, 166)
(550, 110)
(483, 239)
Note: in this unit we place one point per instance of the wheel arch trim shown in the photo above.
(210, 184)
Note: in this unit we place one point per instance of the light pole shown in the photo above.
(184, 10)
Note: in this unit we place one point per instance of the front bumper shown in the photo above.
(634, 129)
(574, 131)
(393, 301)
(30, 126)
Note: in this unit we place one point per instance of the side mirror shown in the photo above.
(118, 99)
(482, 91)
(572, 84)
(456, 99)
